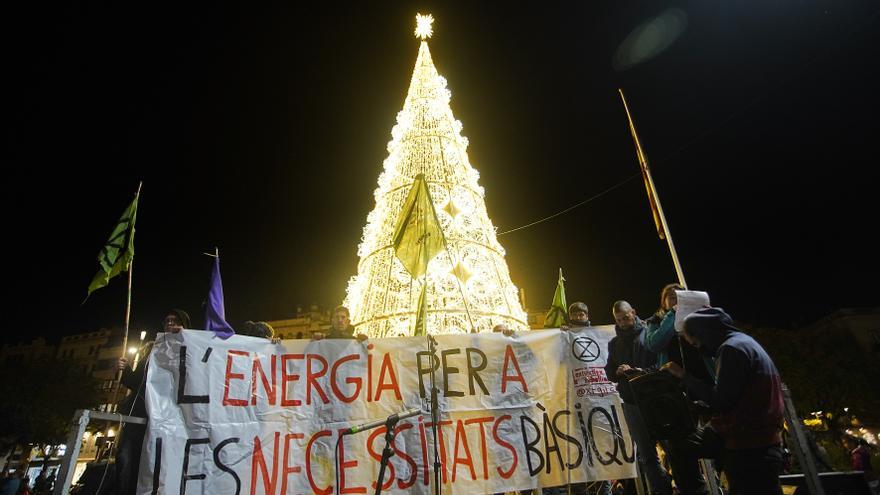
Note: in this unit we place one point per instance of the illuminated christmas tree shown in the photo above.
(467, 283)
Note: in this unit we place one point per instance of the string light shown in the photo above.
(382, 296)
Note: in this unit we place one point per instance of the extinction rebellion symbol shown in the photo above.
(585, 349)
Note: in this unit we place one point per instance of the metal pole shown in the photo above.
(435, 411)
(801, 447)
(81, 419)
(74, 438)
(125, 333)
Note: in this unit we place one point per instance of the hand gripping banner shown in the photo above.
(245, 415)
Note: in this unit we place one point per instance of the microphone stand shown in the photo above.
(435, 413)
(387, 452)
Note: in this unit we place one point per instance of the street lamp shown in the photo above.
(136, 350)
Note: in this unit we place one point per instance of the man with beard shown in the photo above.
(628, 358)
(340, 327)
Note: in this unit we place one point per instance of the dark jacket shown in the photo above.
(661, 338)
(136, 381)
(746, 402)
(628, 347)
(347, 333)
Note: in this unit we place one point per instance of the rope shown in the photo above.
(597, 196)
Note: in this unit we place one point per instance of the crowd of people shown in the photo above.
(727, 371)
(715, 365)
(18, 483)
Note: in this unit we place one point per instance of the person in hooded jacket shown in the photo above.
(627, 358)
(745, 431)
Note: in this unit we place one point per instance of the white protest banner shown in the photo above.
(245, 415)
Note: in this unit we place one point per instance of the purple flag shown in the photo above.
(215, 312)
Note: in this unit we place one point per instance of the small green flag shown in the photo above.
(116, 256)
(558, 314)
(417, 235)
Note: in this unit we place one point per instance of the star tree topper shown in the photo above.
(423, 26)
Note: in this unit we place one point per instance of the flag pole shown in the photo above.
(653, 197)
(127, 312)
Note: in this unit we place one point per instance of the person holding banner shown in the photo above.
(503, 329)
(745, 431)
(340, 327)
(131, 435)
(628, 358)
(578, 319)
(259, 329)
(578, 316)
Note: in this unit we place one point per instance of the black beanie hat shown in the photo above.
(182, 317)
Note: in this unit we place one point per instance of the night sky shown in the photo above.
(263, 131)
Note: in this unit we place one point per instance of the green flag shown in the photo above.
(116, 256)
(417, 235)
(557, 316)
(422, 315)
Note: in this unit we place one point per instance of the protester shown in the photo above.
(25, 488)
(259, 329)
(95, 480)
(131, 435)
(503, 329)
(579, 319)
(746, 404)
(45, 486)
(859, 455)
(660, 338)
(860, 459)
(628, 358)
(11, 484)
(578, 316)
(41, 483)
(340, 327)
